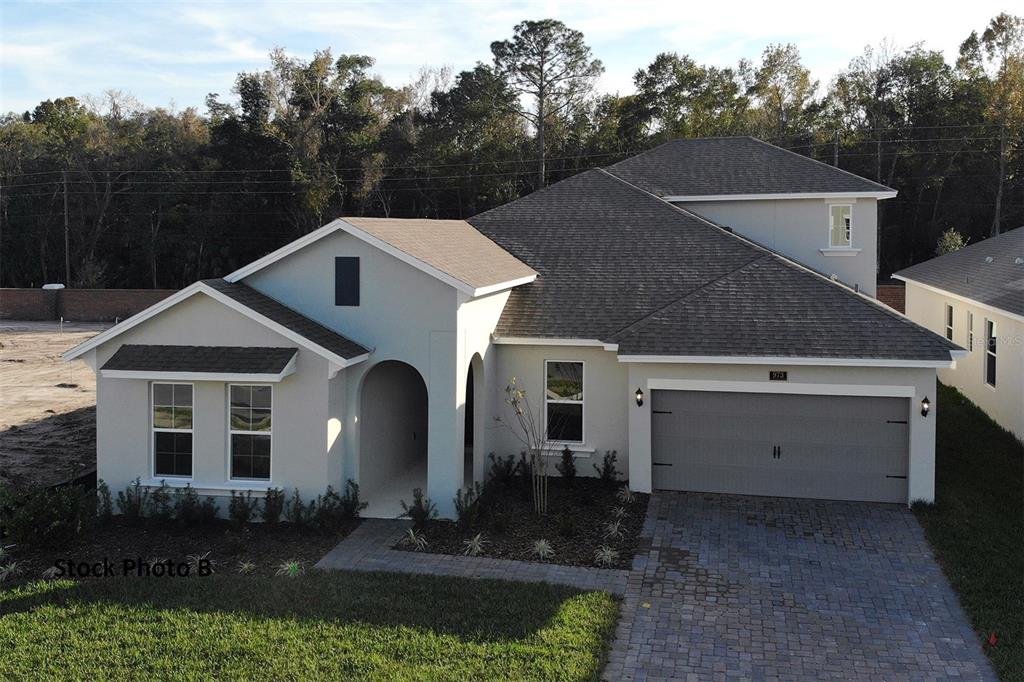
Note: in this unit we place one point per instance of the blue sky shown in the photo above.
(173, 53)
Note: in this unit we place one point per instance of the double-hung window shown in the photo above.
(563, 401)
(949, 322)
(990, 353)
(840, 227)
(250, 431)
(172, 430)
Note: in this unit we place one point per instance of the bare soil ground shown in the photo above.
(47, 406)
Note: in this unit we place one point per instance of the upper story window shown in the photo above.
(563, 401)
(346, 280)
(840, 227)
(172, 430)
(990, 353)
(250, 431)
(949, 322)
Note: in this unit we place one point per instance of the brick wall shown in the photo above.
(77, 305)
(893, 295)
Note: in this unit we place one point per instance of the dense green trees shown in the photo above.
(160, 198)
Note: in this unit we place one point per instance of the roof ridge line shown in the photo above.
(646, 319)
(820, 163)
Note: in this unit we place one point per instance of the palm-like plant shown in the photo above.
(543, 550)
(606, 556)
(475, 545)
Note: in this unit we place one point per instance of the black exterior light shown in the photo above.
(926, 406)
(639, 397)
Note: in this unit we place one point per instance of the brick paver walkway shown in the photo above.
(768, 588)
(369, 548)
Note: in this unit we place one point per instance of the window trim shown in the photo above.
(154, 429)
(849, 229)
(230, 431)
(970, 331)
(582, 403)
(991, 349)
(949, 321)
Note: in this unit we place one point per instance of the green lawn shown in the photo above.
(317, 626)
(976, 525)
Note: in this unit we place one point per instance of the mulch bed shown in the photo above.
(266, 546)
(575, 524)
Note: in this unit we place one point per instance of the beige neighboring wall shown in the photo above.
(799, 229)
(1004, 402)
(300, 400)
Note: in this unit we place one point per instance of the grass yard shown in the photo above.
(977, 524)
(332, 625)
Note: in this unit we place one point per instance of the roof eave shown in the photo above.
(771, 196)
(960, 297)
(784, 360)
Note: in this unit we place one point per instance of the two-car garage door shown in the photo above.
(828, 447)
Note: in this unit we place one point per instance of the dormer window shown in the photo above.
(840, 230)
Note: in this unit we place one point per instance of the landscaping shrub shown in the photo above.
(468, 505)
(104, 502)
(350, 504)
(132, 501)
(241, 508)
(159, 506)
(209, 510)
(273, 505)
(420, 511)
(187, 507)
(46, 516)
(333, 510)
(607, 472)
(503, 470)
(297, 513)
(567, 466)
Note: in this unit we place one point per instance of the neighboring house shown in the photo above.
(379, 350)
(975, 298)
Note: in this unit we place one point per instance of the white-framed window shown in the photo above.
(949, 322)
(563, 400)
(250, 408)
(970, 331)
(990, 353)
(840, 225)
(171, 410)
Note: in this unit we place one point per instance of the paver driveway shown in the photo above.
(770, 588)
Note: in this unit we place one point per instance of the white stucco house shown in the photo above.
(703, 309)
(975, 298)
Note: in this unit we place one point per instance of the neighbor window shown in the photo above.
(172, 430)
(250, 431)
(949, 322)
(563, 401)
(990, 352)
(839, 231)
(970, 331)
(346, 280)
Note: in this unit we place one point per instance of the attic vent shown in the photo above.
(1018, 260)
(989, 259)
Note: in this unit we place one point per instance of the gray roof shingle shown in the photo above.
(967, 273)
(734, 165)
(311, 330)
(205, 359)
(622, 266)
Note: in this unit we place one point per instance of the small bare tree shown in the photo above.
(528, 427)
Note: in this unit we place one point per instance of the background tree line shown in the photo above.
(158, 198)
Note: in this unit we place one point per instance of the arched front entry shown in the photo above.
(475, 416)
(392, 436)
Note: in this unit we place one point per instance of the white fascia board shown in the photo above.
(241, 377)
(828, 196)
(548, 341)
(962, 299)
(871, 390)
(286, 250)
(502, 286)
(748, 360)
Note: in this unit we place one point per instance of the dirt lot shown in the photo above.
(47, 407)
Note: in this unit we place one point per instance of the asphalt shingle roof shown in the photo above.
(214, 359)
(311, 330)
(734, 165)
(454, 247)
(967, 272)
(622, 266)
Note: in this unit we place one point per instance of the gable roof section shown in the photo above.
(257, 306)
(452, 251)
(967, 273)
(623, 267)
(738, 167)
(212, 363)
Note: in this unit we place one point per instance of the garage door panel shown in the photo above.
(835, 447)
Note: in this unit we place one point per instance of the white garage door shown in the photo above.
(828, 447)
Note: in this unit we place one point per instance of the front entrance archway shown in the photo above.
(392, 437)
